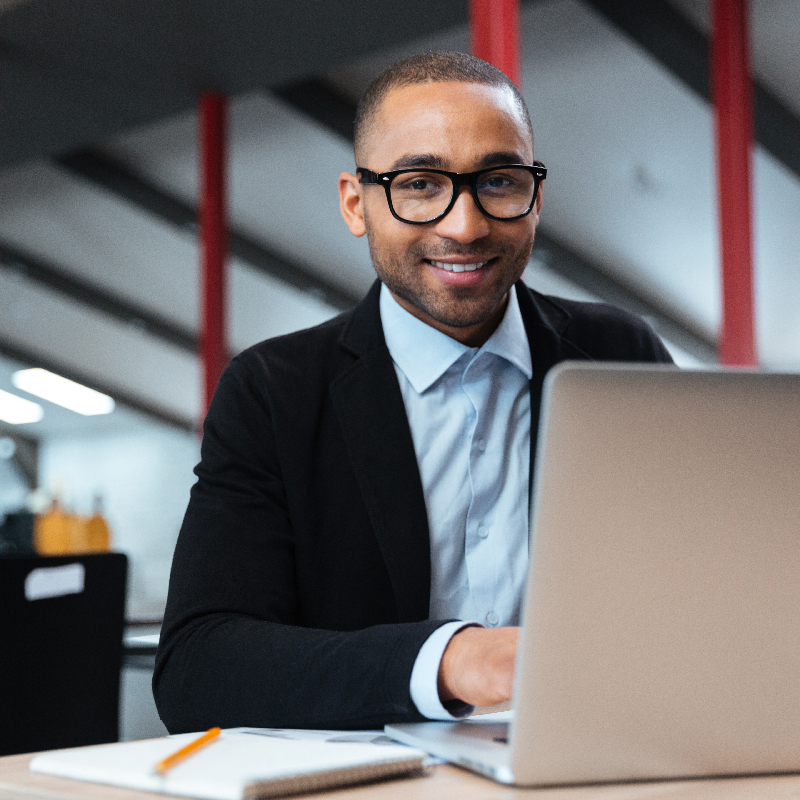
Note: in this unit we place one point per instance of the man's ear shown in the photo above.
(351, 203)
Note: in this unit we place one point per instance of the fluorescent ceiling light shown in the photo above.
(62, 392)
(17, 411)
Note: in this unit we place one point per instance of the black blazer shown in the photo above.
(300, 583)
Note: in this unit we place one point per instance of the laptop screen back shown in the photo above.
(662, 619)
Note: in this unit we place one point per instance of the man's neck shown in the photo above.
(471, 335)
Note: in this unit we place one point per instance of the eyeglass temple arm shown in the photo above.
(367, 176)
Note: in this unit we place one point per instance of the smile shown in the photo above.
(458, 267)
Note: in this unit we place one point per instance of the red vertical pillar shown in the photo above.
(733, 110)
(214, 244)
(494, 34)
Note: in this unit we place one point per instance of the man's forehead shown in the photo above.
(423, 98)
(432, 110)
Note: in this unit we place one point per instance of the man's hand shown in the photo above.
(478, 666)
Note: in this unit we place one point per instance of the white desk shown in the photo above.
(443, 783)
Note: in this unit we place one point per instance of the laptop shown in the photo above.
(661, 625)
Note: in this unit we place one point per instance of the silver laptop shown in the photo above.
(662, 616)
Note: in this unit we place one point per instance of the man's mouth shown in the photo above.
(451, 267)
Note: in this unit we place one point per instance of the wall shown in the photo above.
(143, 477)
(13, 490)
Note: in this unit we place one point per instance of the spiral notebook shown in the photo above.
(242, 764)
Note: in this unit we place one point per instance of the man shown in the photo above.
(362, 499)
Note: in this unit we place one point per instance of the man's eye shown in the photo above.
(417, 185)
(496, 182)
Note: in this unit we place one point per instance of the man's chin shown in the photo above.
(462, 316)
(449, 308)
(460, 321)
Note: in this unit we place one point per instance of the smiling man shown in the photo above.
(442, 257)
(355, 548)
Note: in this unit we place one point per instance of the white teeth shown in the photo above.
(458, 267)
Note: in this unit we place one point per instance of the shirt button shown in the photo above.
(492, 618)
(481, 444)
(483, 531)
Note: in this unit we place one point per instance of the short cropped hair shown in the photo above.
(433, 67)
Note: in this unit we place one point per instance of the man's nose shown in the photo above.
(465, 222)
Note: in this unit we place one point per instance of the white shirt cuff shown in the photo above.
(425, 675)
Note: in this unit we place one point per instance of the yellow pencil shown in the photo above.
(170, 761)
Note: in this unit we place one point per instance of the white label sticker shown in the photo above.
(46, 582)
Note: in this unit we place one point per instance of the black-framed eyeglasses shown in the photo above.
(419, 196)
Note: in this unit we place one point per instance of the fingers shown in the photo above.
(478, 666)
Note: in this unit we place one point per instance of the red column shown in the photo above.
(494, 34)
(214, 244)
(733, 107)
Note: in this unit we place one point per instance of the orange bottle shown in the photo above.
(51, 531)
(78, 533)
(98, 535)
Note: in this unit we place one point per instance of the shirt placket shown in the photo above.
(481, 552)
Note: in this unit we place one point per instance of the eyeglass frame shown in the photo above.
(458, 179)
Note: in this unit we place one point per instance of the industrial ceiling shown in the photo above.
(98, 176)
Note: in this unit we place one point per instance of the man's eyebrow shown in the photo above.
(493, 159)
(437, 162)
(421, 160)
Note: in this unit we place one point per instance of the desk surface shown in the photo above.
(443, 783)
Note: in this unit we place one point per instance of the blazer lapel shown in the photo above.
(372, 416)
(547, 350)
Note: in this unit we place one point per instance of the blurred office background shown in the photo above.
(99, 255)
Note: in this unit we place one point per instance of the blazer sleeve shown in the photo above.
(233, 649)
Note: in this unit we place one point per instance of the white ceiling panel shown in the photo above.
(261, 307)
(42, 321)
(284, 172)
(629, 155)
(91, 234)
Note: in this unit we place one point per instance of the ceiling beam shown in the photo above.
(684, 50)
(317, 99)
(103, 171)
(330, 108)
(32, 358)
(323, 103)
(97, 299)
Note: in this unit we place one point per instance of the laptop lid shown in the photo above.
(661, 633)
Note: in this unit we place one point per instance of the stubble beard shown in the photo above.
(458, 308)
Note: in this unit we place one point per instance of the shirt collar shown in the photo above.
(425, 354)
(510, 340)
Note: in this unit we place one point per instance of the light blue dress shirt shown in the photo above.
(469, 413)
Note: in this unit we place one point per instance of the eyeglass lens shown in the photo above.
(421, 196)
